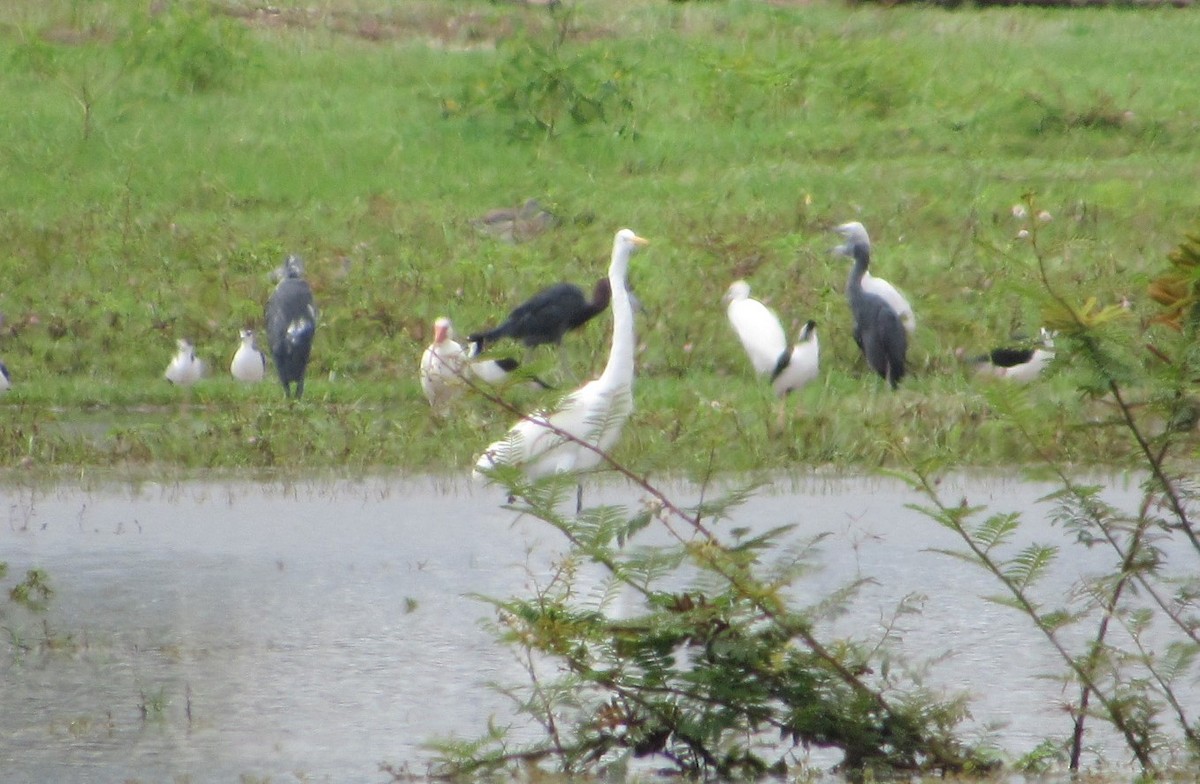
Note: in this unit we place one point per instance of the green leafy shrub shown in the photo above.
(1128, 635)
(718, 673)
(197, 49)
(547, 83)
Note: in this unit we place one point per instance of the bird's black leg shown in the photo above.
(578, 498)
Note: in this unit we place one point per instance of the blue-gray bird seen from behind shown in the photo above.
(291, 325)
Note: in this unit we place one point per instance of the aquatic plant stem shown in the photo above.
(952, 518)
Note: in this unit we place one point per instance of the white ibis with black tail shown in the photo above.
(799, 364)
(1019, 363)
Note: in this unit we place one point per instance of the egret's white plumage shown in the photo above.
(798, 365)
(185, 369)
(593, 414)
(442, 365)
(757, 327)
(249, 364)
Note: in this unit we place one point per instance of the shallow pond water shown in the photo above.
(311, 631)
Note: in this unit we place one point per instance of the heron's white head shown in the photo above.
(184, 346)
(441, 330)
(626, 242)
(855, 234)
(739, 289)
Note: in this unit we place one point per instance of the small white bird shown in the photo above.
(249, 364)
(185, 369)
(799, 364)
(757, 327)
(442, 365)
(5, 379)
(592, 415)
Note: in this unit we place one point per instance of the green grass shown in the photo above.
(157, 168)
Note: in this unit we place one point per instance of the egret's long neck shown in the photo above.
(620, 359)
(862, 258)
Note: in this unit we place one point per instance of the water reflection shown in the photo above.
(314, 630)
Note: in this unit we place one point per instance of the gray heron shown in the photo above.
(291, 326)
(878, 330)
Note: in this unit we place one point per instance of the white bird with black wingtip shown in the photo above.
(185, 368)
(1019, 363)
(788, 367)
(249, 364)
(799, 364)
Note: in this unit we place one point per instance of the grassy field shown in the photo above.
(157, 167)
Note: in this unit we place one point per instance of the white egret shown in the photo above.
(291, 325)
(591, 417)
(757, 327)
(185, 369)
(249, 364)
(878, 330)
